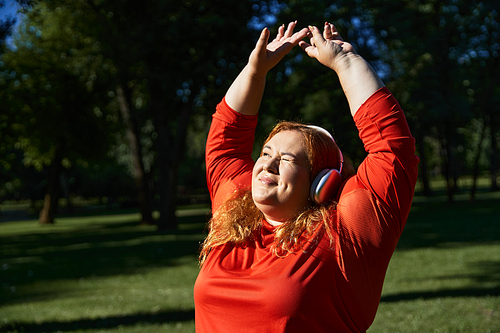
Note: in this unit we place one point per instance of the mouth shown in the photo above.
(266, 180)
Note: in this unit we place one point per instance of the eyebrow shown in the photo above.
(284, 153)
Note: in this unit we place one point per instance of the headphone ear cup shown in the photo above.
(325, 186)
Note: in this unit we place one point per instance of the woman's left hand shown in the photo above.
(265, 56)
(328, 48)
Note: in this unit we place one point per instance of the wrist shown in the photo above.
(255, 73)
(345, 61)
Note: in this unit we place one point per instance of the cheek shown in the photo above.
(305, 184)
(299, 178)
(256, 168)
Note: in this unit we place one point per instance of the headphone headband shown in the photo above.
(324, 131)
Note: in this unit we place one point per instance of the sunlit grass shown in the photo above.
(464, 183)
(445, 273)
(98, 273)
(442, 289)
(106, 273)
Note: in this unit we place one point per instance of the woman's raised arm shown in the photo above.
(357, 78)
(245, 94)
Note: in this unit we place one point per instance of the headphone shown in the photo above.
(327, 183)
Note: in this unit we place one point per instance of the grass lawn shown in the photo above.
(104, 273)
(99, 273)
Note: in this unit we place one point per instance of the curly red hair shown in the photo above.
(238, 219)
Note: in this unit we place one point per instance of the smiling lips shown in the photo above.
(266, 180)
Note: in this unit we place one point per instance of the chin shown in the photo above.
(271, 212)
(261, 197)
(265, 207)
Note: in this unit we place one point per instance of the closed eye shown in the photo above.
(266, 151)
(288, 157)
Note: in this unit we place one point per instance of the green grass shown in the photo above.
(104, 273)
(445, 273)
(98, 274)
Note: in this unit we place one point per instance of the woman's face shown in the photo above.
(280, 180)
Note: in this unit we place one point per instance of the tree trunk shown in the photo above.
(475, 171)
(168, 184)
(140, 177)
(494, 154)
(447, 169)
(166, 179)
(171, 148)
(66, 193)
(50, 202)
(423, 166)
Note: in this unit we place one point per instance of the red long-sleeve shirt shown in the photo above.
(321, 289)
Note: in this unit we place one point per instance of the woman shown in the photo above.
(277, 259)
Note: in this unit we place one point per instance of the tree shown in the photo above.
(47, 104)
(478, 52)
(432, 56)
(171, 52)
(6, 26)
(167, 60)
(432, 47)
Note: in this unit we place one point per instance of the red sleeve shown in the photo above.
(374, 204)
(390, 170)
(228, 153)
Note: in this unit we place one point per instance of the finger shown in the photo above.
(317, 37)
(309, 49)
(263, 39)
(327, 31)
(281, 30)
(298, 36)
(304, 45)
(311, 36)
(334, 32)
(289, 30)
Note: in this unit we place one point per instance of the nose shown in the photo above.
(271, 165)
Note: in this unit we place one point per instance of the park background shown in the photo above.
(104, 111)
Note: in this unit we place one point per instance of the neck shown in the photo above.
(273, 223)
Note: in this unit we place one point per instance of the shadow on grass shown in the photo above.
(105, 248)
(24, 213)
(433, 223)
(74, 250)
(101, 323)
(484, 273)
(466, 292)
(438, 224)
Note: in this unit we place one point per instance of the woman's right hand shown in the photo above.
(245, 93)
(265, 56)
